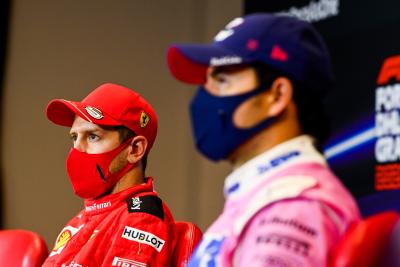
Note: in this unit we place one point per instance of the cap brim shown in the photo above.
(189, 63)
(62, 112)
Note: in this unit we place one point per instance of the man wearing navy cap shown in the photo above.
(259, 106)
(124, 222)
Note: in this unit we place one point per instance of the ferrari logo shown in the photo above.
(144, 119)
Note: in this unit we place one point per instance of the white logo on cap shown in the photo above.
(228, 31)
(94, 112)
(235, 22)
(222, 35)
(228, 60)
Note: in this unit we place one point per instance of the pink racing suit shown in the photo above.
(284, 208)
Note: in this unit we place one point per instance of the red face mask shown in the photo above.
(89, 173)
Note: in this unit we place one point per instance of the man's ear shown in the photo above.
(137, 149)
(279, 96)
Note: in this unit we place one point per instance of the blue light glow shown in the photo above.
(356, 140)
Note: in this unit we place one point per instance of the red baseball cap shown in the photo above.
(108, 105)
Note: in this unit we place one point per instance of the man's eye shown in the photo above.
(93, 137)
(220, 78)
(73, 138)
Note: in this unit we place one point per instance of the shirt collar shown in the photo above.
(258, 169)
(109, 202)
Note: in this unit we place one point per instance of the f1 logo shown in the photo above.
(390, 69)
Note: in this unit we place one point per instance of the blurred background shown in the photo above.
(65, 49)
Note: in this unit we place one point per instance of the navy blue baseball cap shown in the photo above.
(285, 43)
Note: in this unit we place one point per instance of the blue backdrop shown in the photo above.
(364, 148)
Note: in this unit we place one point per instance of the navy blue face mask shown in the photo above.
(212, 123)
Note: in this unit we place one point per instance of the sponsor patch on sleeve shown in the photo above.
(143, 237)
(118, 261)
(286, 242)
(147, 204)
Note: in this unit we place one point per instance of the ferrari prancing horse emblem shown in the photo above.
(144, 119)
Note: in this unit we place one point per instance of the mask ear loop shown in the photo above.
(113, 178)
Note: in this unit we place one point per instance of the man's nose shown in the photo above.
(80, 145)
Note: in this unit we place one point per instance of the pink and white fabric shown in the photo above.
(283, 208)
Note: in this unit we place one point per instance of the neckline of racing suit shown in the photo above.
(108, 202)
(294, 151)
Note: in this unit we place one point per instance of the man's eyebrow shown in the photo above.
(227, 69)
(217, 71)
(87, 130)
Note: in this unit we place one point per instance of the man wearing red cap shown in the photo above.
(124, 222)
(259, 106)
